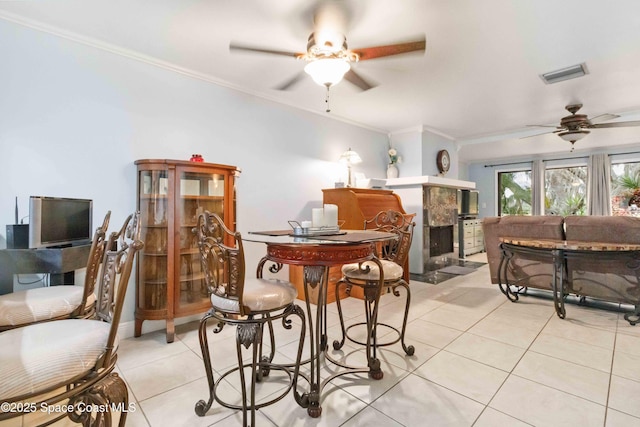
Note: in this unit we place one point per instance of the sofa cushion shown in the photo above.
(610, 229)
(604, 278)
(538, 226)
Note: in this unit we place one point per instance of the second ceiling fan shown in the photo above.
(328, 57)
(574, 127)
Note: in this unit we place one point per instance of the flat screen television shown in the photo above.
(59, 222)
(468, 203)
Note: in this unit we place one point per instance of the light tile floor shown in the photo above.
(480, 361)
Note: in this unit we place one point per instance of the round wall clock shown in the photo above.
(444, 161)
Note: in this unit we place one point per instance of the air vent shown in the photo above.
(565, 74)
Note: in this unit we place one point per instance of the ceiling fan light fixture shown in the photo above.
(327, 71)
(565, 74)
(573, 135)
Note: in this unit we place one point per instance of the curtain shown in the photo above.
(599, 185)
(537, 188)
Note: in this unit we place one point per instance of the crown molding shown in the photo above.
(169, 66)
(422, 129)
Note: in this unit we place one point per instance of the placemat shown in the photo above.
(317, 234)
(272, 232)
(346, 237)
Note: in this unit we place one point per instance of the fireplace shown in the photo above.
(434, 199)
(440, 240)
(440, 214)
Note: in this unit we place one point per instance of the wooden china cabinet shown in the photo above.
(171, 195)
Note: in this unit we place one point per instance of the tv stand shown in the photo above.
(60, 263)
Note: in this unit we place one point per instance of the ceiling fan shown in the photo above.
(327, 55)
(574, 127)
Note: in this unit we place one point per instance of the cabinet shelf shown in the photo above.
(171, 196)
(155, 282)
(158, 254)
(189, 251)
(191, 277)
(154, 196)
(211, 198)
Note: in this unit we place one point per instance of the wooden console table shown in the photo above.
(559, 252)
(59, 262)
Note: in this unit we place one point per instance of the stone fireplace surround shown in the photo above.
(433, 198)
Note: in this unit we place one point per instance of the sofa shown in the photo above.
(609, 277)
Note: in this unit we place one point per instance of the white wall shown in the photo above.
(432, 143)
(74, 118)
(419, 148)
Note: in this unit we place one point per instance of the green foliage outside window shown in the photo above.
(565, 191)
(514, 189)
(625, 187)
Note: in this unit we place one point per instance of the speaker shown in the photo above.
(18, 236)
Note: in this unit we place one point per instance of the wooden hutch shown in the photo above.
(171, 195)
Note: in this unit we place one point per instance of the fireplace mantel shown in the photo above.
(430, 180)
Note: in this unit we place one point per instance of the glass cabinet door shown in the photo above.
(152, 260)
(196, 193)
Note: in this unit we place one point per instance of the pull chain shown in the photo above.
(326, 100)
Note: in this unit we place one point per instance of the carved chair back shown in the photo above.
(119, 255)
(398, 223)
(96, 256)
(222, 257)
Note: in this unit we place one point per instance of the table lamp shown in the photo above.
(350, 157)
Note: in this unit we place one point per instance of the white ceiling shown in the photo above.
(478, 81)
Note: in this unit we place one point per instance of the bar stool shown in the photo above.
(248, 304)
(69, 363)
(393, 256)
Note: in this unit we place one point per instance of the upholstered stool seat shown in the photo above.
(392, 256)
(73, 348)
(22, 308)
(370, 272)
(40, 304)
(259, 295)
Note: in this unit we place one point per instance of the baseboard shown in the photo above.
(127, 329)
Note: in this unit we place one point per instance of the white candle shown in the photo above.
(331, 215)
(306, 224)
(317, 217)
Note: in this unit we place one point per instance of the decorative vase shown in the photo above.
(392, 171)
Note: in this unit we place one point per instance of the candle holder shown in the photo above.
(325, 230)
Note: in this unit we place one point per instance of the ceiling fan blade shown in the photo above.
(357, 80)
(234, 46)
(538, 134)
(292, 81)
(603, 118)
(616, 125)
(543, 126)
(389, 50)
